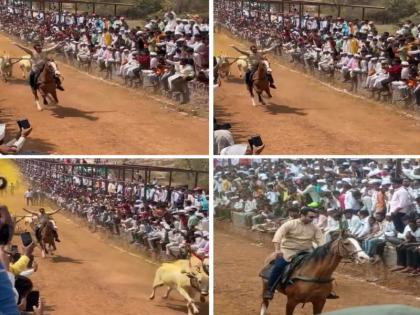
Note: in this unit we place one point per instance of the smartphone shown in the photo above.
(26, 238)
(32, 300)
(24, 124)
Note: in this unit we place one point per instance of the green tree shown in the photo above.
(145, 7)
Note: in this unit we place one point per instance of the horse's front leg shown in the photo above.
(251, 92)
(260, 99)
(290, 306)
(264, 307)
(38, 105)
(44, 250)
(318, 306)
(268, 92)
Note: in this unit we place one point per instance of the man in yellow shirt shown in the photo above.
(353, 44)
(225, 185)
(293, 237)
(107, 38)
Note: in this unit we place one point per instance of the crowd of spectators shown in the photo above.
(386, 64)
(166, 53)
(168, 221)
(377, 201)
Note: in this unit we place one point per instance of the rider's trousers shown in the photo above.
(279, 264)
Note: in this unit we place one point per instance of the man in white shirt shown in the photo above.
(353, 221)
(364, 228)
(400, 204)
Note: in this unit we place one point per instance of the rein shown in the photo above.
(313, 280)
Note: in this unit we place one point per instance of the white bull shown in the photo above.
(224, 66)
(5, 68)
(25, 65)
(243, 65)
(188, 277)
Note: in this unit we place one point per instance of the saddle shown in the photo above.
(285, 278)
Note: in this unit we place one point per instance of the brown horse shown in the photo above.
(311, 282)
(260, 83)
(47, 240)
(46, 84)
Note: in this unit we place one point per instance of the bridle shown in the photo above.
(340, 248)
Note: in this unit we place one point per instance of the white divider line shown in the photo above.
(134, 255)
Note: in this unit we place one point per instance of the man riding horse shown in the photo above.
(43, 220)
(293, 237)
(39, 57)
(255, 57)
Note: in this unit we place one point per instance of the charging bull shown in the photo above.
(243, 65)
(25, 65)
(5, 68)
(188, 277)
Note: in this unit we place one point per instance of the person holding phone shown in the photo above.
(8, 300)
(13, 146)
(8, 294)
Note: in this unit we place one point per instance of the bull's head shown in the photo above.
(200, 282)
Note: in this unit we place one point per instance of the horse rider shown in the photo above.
(293, 237)
(255, 56)
(39, 58)
(43, 220)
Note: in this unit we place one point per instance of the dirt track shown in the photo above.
(305, 117)
(238, 288)
(95, 117)
(89, 276)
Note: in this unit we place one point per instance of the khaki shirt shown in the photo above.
(294, 236)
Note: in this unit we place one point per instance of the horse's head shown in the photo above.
(51, 68)
(348, 247)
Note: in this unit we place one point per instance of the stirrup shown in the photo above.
(268, 295)
(332, 296)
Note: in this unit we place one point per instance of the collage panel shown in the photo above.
(104, 236)
(89, 77)
(315, 77)
(317, 235)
